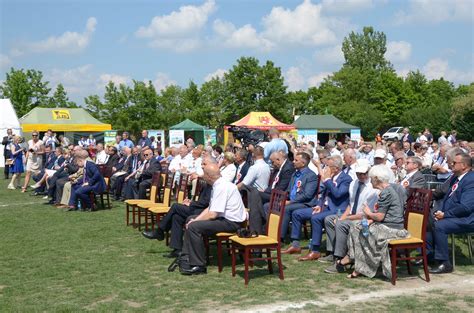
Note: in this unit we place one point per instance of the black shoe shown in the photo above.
(194, 270)
(173, 254)
(154, 234)
(442, 269)
(72, 209)
(50, 202)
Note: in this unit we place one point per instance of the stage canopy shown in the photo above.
(323, 123)
(61, 120)
(188, 125)
(262, 120)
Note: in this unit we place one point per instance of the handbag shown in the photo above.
(9, 162)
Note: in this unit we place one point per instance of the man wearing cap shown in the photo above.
(361, 192)
(414, 178)
(380, 157)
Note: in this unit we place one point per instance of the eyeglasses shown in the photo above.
(34, 135)
(396, 160)
(454, 163)
(408, 162)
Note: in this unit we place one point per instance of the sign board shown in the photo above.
(159, 137)
(61, 114)
(210, 137)
(355, 135)
(176, 137)
(109, 137)
(306, 135)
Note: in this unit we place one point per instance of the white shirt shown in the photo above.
(101, 157)
(227, 201)
(351, 171)
(334, 152)
(366, 194)
(194, 165)
(228, 172)
(258, 175)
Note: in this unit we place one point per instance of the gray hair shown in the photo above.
(380, 172)
(350, 152)
(416, 160)
(337, 161)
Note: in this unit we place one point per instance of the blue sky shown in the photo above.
(84, 44)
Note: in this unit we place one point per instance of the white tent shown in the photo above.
(8, 119)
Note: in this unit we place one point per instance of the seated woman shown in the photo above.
(228, 168)
(369, 251)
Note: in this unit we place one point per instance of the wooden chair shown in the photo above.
(269, 242)
(106, 172)
(416, 219)
(131, 204)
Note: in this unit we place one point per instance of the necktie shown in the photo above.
(356, 200)
(84, 175)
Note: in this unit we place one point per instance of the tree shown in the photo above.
(25, 89)
(60, 99)
(462, 116)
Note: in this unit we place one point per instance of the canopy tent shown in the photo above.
(191, 129)
(323, 124)
(262, 120)
(61, 120)
(8, 119)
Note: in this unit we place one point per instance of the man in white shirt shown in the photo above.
(101, 157)
(179, 162)
(225, 213)
(361, 193)
(258, 174)
(350, 159)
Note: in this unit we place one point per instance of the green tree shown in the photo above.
(462, 116)
(25, 89)
(60, 99)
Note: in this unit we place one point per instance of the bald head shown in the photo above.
(211, 173)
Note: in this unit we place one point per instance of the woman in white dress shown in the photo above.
(34, 158)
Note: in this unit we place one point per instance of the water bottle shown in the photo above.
(79, 205)
(365, 226)
(310, 244)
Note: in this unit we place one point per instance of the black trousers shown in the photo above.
(193, 244)
(6, 170)
(175, 220)
(142, 187)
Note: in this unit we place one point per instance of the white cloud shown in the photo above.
(178, 30)
(161, 81)
(77, 80)
(316, 80)
(5, 61)
(243, 37)
(331, 55)
(219, 73)
(68, 42)
(294, 79)
(398, 51)
(435, 11)
(347, 6)
(437, 68)
(104, 79)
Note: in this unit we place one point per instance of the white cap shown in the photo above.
(423, 138)
(362, 166)
(380, 153)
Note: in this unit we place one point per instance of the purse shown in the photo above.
(9, 162)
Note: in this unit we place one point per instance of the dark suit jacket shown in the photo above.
(243, 171)
(442, 190)
(123, 164)
(50, 159)
(410, 153)
(112, 161)
(417, 180)
(460, 203)
(155, 166)
(409, 138)
(337, 194)
(283, 178)
(204, 198)
(94, 178)
(307, 190)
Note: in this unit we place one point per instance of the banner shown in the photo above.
(355, 135)
(109, 137)
(176, 138)
(159, 138)
(306, 135)
(210, 137)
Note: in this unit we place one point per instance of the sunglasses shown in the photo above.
(34, 135)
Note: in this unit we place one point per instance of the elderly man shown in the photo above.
(225, 213)
(407, 136)
(258, 174)
(150, 166)
(241, 164)
(440, 166)
(144, 141)
(366, 152)
(101, 157)
(337, 227)
(414, 178)
(275, 144)
(407, 149)
(398, 168)
(456, 214)
(380, 157)
(334, 200)
(350, 158)
(179, 162)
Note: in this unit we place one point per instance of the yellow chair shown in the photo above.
(131, 204)
(269, 242)
(416, 218)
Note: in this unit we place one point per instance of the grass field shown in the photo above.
(52, 260)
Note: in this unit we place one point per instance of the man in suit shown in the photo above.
(407, 136)
(120, 171)
(456, 215)
(7, 141)
(407, 149)
(414, 178)
(334, 200)
(177, 215)
(301, 189)
(92, 181)
(151, 166)
(242, 165)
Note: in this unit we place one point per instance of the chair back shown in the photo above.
(164, 167)
(168, 188)
(276, 210)
(155, 183)
(201, 183)
(417, 212)
(183, 188)
(318, 186)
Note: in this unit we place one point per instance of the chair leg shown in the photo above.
(232, 252)
(393, 258)
(102, 200)
(425, 264)
(280, 264)
(134, 224)
(219, 254)
(469, 244)
(246, 261)
(269, 261)
(453, 250)
(127, 208)
(108, 202)
(407, 254)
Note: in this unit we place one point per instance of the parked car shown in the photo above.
(394, 133)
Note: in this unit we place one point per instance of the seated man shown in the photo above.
(241, 164)
(177, 215)
(151, 165)
(92, 182)
(361, 193)
(258, 174)
(414, 178)
(335, 197)
(301, 189)
(226, 213)
(456, 214)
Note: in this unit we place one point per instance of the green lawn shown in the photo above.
(52, 260)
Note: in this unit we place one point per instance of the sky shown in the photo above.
(85, 44)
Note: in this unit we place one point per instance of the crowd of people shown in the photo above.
(353, 191)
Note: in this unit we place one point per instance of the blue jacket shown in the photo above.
(460, 203)
(308, 186)
(93, 177)
(50, 159)
(336, 194)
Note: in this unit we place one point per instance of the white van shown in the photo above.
(394, 133)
